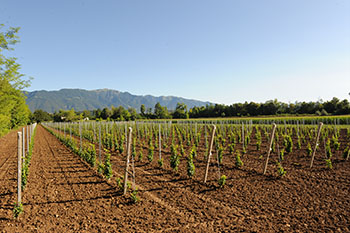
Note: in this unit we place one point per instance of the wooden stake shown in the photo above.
(27, 139)
(23, 145)
(270, 147)
(316, 145)
(127, 161)
(19, 177)
(81, 141)
(209, 155)
(160, 144)
(99, 142)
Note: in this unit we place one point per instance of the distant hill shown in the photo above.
(79, 99)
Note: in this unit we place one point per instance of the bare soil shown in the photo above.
(64, 194)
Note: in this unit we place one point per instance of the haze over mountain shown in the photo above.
(80, 99)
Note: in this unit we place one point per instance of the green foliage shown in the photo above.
(280, 170)
(309, 149)
(299, 143)
(100, 168)
(107, 166)
(335, 143)
(180, 111)
(190, 166)
(150, 153)
(17, 210)
(231, 148)
(133, 196)
(258, 144)
(329, 163)
(41, 116)
(222, 181)
(120, 183)
(160, 162)
(91, 155)
(239, 162)
(220, 153)
(288, 143)
(328, 149)
(13, 108)
(28, 157)
(194, 152)
(282, 154)
(174, 158)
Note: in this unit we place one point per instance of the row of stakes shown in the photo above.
(30, 130)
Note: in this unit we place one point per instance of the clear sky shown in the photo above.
(223, 51)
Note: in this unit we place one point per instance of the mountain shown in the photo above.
(79, 99)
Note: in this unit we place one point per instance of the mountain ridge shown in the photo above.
(81, 99)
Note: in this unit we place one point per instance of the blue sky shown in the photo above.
(223, 51)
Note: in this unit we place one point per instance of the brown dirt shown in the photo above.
(8, 175)
(64, 194)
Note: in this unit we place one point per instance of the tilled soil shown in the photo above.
(65, 194)
(8, 176)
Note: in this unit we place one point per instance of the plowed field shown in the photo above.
(64, 194)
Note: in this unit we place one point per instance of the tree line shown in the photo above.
(272, 107)
(13, 109)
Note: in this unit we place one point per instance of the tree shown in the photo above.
(181, 111)
(133, 114)
(40, 116)
(106, 113)
(13, 109)
(143, 110)
(161, 112)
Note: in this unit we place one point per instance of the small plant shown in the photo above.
(308, 149)
(174, 158)
(231, 148)
(329, 163)
(17, 210)
(280, 170)
(220, 153)
(133, 196)
(160, 162)
(100, 168)
(282, 154)
(108, 166)
(335, 143)
(289, 144)
(120, 182)
(190, 166)
(194, 151)
(328, 149)
(239, 162)
(299, 143)
(258, 144)
(150, 153)
(222, 181)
